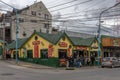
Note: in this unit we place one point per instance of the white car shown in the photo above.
(110, 62)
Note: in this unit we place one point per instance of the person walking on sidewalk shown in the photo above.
(92, 60)
(78, 63)
(87, 61)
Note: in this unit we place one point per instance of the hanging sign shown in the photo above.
(69, 52)
(81, 48)
(36, 48)
(50, 50)
(63, 44)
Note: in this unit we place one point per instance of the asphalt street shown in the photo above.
(14, 72)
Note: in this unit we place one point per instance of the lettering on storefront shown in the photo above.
(115, 42)
(69, 52)
(63, 44)
(81, 48)
(50, 50)
(36, 47)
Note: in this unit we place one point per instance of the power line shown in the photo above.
(71, 6)
(85, 10)
(65, 17)
(60, 4)
(63, 4)
(81, 15)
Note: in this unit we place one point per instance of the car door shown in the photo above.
(119, 62)
(115, 61)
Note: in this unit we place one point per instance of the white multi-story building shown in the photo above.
(33, 17)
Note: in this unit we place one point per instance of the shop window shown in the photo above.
(1, 49)
(29, 53)
(106, 54)
(14, 54)
(62, 53)
(75, 53)
(44, 53)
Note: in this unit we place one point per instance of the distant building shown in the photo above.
(5, 27)
(78, 34)
(76, 25)
(34, 17)
(55, 30)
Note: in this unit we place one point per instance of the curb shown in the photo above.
(27, 66)
(30, 66)
(33, 67)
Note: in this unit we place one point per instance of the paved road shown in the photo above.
(13, 72)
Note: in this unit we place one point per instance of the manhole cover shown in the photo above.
(7, 74)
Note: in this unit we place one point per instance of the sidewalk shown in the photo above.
(38, 66)
(28, 65)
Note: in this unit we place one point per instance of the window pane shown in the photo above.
(29, 54)
(33, 13)
(44, 53)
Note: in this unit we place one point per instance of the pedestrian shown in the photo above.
(92, 60)
(67, 62)
(88, 61)
(78, 63)
(82, 60)
(71, 62)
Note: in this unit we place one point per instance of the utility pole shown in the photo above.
(16, 15)
(3, 30)
(99, 29)
(3, 35)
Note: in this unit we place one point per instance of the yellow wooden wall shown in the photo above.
(56, 47)
(29, 46)
(44, 44)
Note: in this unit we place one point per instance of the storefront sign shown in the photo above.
(63, 44)
(110, 42)
(81, 48)
(69, 52)
(36, 48)
(50, 50)
(115, 42)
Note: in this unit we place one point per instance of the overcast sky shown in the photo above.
(73, 5)
(50, 3)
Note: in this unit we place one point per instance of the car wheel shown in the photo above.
(112, 66)
(102, 66)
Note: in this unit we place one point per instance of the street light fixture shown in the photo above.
(99, 38)
(14, 9)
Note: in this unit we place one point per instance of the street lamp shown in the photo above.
(99, 38)
(14, 9)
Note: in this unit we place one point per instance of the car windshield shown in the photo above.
(106, 59)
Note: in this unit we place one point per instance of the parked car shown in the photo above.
(110, 62)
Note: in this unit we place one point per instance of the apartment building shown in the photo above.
(5, 27)
(34, 17)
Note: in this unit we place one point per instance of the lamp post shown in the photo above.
(99, 38)
(16, 28)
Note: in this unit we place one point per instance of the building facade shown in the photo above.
(34, 17)
(110, 46)
(5, 27)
